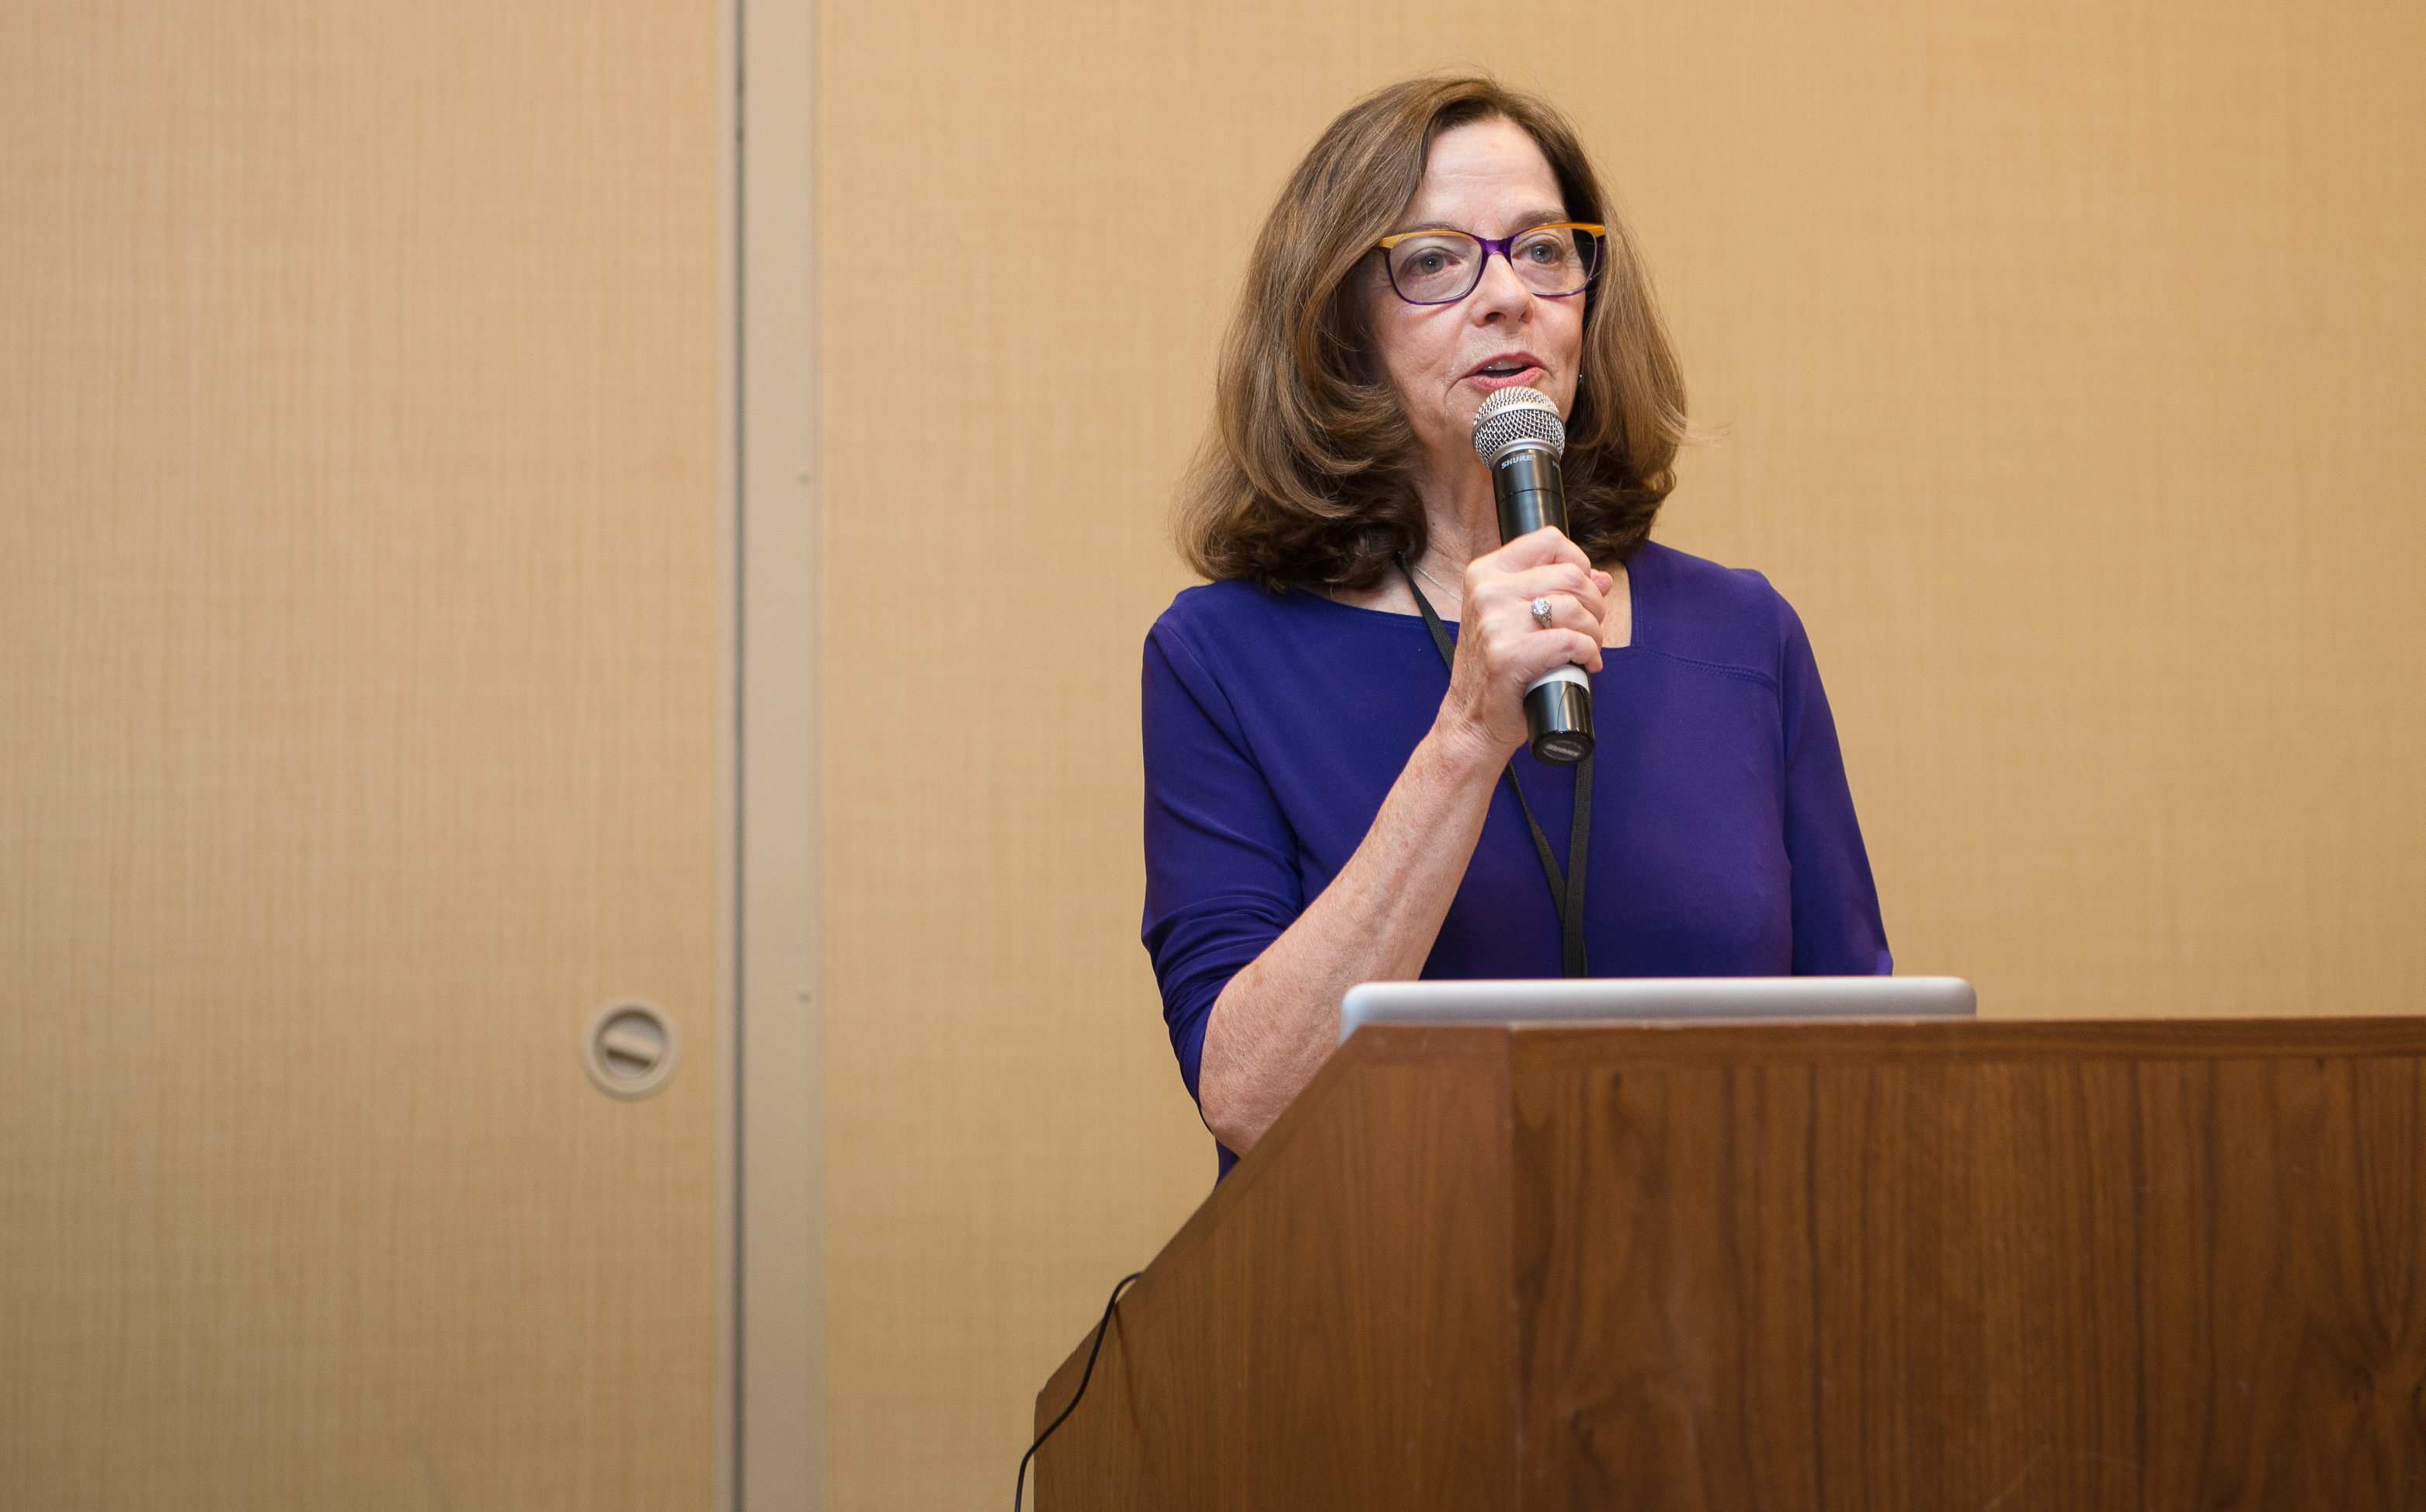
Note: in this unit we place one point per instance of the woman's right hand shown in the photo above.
(1500, 649)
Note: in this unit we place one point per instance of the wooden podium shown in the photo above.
(1954, 1264)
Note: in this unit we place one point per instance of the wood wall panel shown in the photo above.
(357, 646)
(2064, 362)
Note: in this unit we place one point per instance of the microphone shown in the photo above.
(1520, 437)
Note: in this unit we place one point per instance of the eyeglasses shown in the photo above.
(1443, 267)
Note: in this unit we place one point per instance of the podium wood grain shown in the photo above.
(2127, 1265)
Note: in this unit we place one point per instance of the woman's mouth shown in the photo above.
(1501, 372)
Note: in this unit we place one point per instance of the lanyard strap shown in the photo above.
(1567, 892)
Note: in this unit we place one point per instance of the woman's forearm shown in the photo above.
(1278, 1019)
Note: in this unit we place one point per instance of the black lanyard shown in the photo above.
(1567, 892)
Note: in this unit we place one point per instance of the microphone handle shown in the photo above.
(1558, 705)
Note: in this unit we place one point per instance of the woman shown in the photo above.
(1325, 799)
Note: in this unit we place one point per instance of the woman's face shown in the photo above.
(1486, 178)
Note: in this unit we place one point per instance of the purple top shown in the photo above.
(1724, 838)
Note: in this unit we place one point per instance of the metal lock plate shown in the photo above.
(630, 1049)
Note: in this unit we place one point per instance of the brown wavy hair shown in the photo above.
(1303, 477)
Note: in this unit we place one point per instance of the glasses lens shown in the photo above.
(1435, 268)
(1554, 259)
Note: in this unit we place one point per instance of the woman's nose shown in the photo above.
(1498, 288)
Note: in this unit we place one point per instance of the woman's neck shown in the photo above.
(1461, 523)
(1461, 518)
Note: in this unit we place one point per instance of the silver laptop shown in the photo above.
(1653, 999)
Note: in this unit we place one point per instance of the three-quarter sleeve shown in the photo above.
(1221, 860)
(1837, 931)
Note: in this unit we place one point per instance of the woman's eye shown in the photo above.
(1433, 257)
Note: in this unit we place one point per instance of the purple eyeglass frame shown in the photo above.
(1599, 237)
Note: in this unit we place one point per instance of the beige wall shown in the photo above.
(2069, 364)
(357, 639)
(357, 646)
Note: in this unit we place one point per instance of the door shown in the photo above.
(359, 625)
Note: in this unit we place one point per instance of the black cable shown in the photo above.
(1019, 1489)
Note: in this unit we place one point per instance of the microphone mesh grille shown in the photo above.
(1514, 414)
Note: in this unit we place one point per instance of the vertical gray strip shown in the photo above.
(737, 1481)
(777, 1375)
(730, 1314)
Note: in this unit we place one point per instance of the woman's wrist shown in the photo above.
(1465, 748)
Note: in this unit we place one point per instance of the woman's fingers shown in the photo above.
(1577, 596)
(1563, 640)
(1566, 613)
(1568, 630)
(1559, 582)
(1540, 548)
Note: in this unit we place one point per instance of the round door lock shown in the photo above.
(630, 1049)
